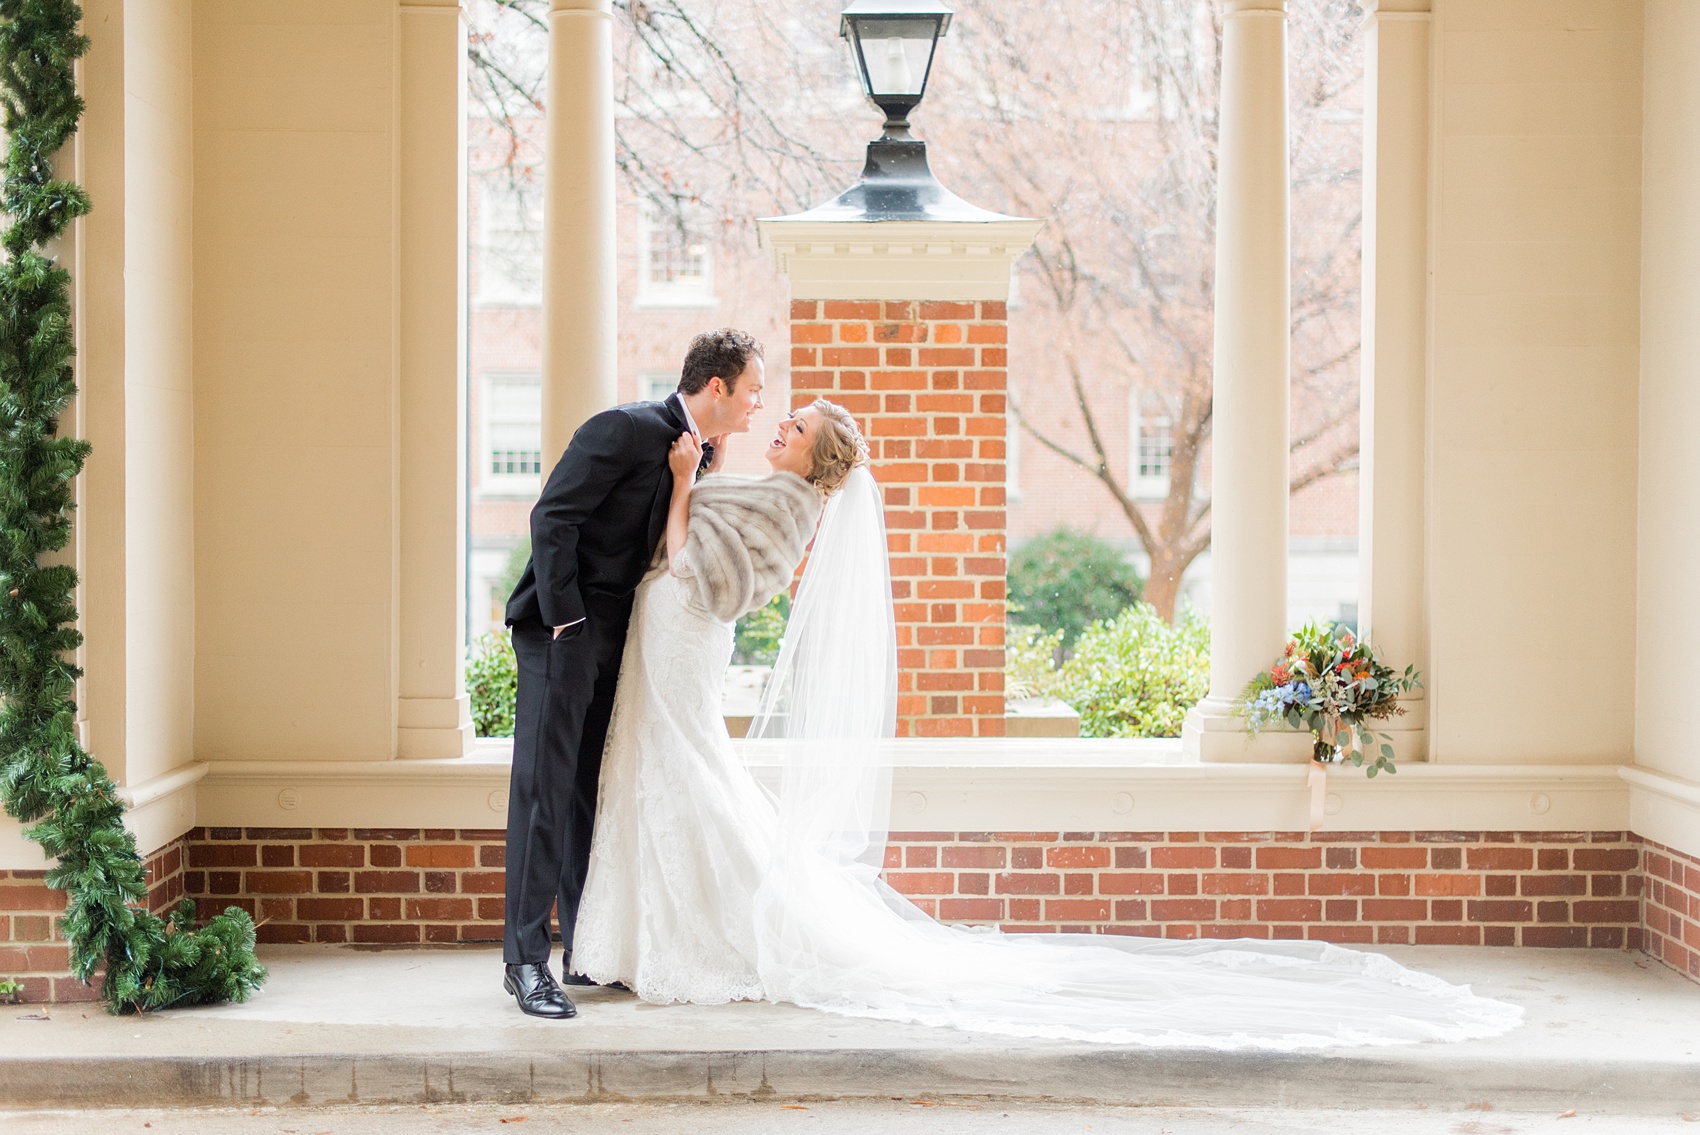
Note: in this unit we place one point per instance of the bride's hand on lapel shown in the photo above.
(684, 458)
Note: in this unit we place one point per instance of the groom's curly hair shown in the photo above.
(721, 354)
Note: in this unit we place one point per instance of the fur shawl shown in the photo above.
(745, 539)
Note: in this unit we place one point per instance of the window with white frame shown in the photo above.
(675, 260)
(656, 385)
(513, 435)
(1153, 449)
(510, 244)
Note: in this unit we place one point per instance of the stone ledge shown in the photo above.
(1664, 808)
(973, 784)
(981, 784)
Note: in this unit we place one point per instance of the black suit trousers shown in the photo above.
(566, 696)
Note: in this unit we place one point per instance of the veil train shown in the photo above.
(832, 935)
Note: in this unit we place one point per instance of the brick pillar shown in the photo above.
(927, 380)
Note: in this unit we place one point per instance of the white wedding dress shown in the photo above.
(706, 888)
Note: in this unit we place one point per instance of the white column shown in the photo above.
(433, 713)
(578, 221)
(1391, 609)
(1248, 494)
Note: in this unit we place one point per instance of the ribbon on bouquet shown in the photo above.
(1317, 778)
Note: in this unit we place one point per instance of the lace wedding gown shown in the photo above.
(702, 890)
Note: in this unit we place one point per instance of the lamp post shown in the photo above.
(898, 292)
(893, 42)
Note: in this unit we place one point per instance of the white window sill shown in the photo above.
(1149, 489)
(1003, 784)
(504, 489)
(697, 302)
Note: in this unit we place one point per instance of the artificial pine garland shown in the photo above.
(46, 779)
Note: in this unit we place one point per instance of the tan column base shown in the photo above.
(433, 728)
(1213, 732)
(1408, 732)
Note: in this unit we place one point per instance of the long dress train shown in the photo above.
(699, 893)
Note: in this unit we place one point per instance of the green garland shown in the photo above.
(46, 779)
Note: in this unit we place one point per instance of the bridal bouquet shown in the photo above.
(1331, 683)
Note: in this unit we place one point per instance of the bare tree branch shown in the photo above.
(1343, 459)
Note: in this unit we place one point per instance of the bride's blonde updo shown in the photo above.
(838, 447)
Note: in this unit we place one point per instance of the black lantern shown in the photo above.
(894, 41)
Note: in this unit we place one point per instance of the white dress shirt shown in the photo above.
(690, 422)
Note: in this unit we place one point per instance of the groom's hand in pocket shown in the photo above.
(570, 630)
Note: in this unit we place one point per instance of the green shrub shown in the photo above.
(1068, 580)
(756, 638)
(518, 556)
(1136, 676)
(492, 678)
(1030, 662)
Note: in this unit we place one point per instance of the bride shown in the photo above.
(704, 887)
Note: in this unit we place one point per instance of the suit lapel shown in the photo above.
(664, 484)
(675, 413)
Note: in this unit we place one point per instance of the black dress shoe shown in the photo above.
(533, 986)
(582, 981)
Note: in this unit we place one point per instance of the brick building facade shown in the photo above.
(736, 285)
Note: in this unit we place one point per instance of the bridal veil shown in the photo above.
(832, 935)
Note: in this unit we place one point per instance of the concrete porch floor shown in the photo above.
(1606, 1032)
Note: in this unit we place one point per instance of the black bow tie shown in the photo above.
(707, 458)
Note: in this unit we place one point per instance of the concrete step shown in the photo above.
(1606, 1031)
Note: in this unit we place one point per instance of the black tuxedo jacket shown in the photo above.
(601, 514)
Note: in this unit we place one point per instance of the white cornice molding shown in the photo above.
(1663, 808)
(156, 811)
(897, 260)
(159, 810)
(978, 785)
(1011, 784)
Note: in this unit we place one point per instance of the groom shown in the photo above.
(593, 532)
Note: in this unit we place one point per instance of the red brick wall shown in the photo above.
(927, 382)
(400, 886)
(414, 886)
(1673, 908)
(1458, 888)
(35, 954)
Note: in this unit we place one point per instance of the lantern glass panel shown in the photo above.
(896, 54)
